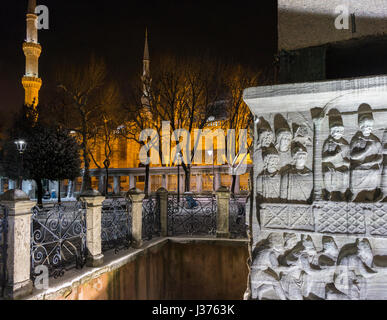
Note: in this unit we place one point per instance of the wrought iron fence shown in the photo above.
(58, 238)
(3, 246)
(191, 215)
(237, 218)
(151, 226)
(116, 228)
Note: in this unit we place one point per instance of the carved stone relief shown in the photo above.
(320, 207)
(286, 266)
(366, 159)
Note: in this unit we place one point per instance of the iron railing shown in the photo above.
(151, 225)
(237, 218)
(116, 228)
(58, 238)
(3, 246)
(191, 215)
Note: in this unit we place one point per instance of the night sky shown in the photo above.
(245, 31)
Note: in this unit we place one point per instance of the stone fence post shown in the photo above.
(137, 197)
(18, 263)
(162, 194)
(94, 202)
(222, 216)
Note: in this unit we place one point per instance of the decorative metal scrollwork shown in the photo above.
(116, 231)
(191, 215)
(3, 245)
(151, 225)
(237, 218)
(58, 238)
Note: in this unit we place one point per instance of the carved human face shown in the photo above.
(366, 127)
(337, 132)
(272, 163)
(330, 247)
(275, 241)
(365, 251)
(300, 159)
(284, 141)
(290, 241)
(266, 138)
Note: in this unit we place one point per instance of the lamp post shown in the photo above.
(21, 146)
(179, 157)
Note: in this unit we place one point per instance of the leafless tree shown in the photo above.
(83, 94)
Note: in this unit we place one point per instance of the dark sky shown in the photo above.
(245, 30)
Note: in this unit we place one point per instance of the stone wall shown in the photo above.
(306, 23)
(166, 270)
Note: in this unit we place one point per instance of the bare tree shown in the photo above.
(184, 92)
(83, 94)
(238, 114)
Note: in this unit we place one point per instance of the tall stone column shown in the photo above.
(117, 185)
(318, 117)
(150, 184)
(137, 197)
(163, 198)
(182, 183)
(222, 216)
(94, 202)
(18, 264)
(217, 180)
(101, 184)
(132, 181)
(164, 183)
(11, 184)
(237, 189)
(199, 183)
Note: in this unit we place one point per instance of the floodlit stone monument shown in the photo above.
(319, 213)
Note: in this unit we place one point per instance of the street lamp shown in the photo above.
(179, 158)
(21, 146)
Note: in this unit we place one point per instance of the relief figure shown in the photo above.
(269, 180)
(265, 261)
(366, 159)
(384, 175)
(297, 179)
(354, 266)
(265, 134)
(335, 159)
(284, 139)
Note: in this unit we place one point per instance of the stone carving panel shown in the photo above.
(378, 224)
(288, 267)
(282, 216)
(340, 218)
(320, 175)
(286, 156)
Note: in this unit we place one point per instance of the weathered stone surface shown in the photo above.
(137, 197)
(94, 202)
(320, 210)
(316, 19)
(18, 255)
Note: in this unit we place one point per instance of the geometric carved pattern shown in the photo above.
(340, 217)
(285, 216)
(378, 223)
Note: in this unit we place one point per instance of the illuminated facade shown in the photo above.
(126, 170)
(32, 50)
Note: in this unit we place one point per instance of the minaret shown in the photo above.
(32, 49)
(146, 77)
